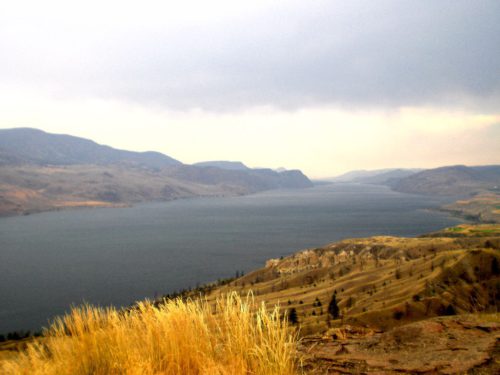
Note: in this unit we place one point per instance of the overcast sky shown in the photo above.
(324, 86)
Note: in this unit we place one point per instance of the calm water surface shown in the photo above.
(51, 260)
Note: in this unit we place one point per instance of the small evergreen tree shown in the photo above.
(449, 310)
(292, 316)
(495, 269)
(333, 308)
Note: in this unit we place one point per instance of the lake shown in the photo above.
(51, 260)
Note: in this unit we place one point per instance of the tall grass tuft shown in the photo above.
(232, 336)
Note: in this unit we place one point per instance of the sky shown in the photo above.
(321, 86)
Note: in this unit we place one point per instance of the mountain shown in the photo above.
(33, 146)
(452, 180)
(478, 187)
(377, 177)
(231, 165)
(353, 176)
(252, 179)
(41, 171)
(389, 177)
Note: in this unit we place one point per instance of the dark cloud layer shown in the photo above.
(290, 55)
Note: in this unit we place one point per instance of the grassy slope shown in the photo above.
(483, 207)
(377, 277)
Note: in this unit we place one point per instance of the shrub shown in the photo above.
(449, 310)
(398, 315)
(350, 302)
(398, 274)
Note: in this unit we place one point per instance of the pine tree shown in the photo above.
(333, 308)
(292, 316)
(495, 269)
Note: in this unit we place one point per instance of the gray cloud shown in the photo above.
(291, 55)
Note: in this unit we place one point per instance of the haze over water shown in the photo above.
(51, 260)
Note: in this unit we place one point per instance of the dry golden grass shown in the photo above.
(484, 317)
(175, 338)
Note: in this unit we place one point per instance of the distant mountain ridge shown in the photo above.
(254, 179)
(377, 176)
(447, 180)
(231, 165)
(452, 180)
(41, 171)
(33, 146)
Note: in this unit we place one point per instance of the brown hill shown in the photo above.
(385, 281)
(451, 180)
(20, 146)
(406, 304)
(41, 171)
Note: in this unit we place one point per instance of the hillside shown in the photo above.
(376, 276)
(449, 180)
(32, 146)
(483, 208)
(452, 180)
(41, 171)
(478, 187)
(29, 189)
(390, 292)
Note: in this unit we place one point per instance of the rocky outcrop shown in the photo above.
(444, 345)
